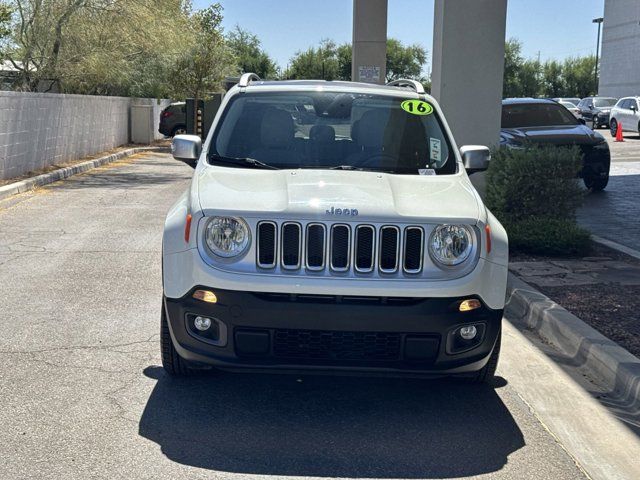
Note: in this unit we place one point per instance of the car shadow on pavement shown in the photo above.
(329, 426)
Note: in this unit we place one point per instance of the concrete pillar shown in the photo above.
(468, 66)
(369, 50)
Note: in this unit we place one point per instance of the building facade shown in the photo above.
(620, 63)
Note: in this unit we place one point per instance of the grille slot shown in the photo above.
(340, 247)
(291, 245)
(267, 242)
(365, 248)
(336, 345)
(413, 242)
(389, 249)
(315, 246)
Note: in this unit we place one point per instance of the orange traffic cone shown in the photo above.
(619, 137)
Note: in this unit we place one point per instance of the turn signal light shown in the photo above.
(205, 296)
(187, 228)
(468, 305)
(487, 231)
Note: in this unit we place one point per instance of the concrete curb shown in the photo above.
(616, 246)
(46, 178)
(618, 369)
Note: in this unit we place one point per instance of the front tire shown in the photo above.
(596, 183)
(613, 127)
(488, 372)
(172, 362)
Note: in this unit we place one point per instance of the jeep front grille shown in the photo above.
(340, 248)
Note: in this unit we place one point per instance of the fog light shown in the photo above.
(203, 323)
(468, 333)
(468, 305)
(205, 296)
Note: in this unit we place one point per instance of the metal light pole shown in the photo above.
(599, 22)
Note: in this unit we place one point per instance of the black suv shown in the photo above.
(595, 111)
(544, 122)
(173, 119)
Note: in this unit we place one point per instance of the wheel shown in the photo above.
(613, 127)
(179, 130)
(174, 364)
(596, 182)
(489, 370)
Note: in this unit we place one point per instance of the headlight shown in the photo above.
(227, 236)
(450, 245)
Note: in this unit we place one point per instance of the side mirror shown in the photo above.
(582, 121)
(187, 148)
(591, 106)
(633, 107)
(476, 158)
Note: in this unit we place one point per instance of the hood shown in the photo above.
(560, 135)
(328, 195)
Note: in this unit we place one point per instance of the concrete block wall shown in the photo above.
(42, 129)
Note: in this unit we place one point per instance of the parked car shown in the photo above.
(356, 242)
(544, 122)
(626, 113)
(595, 111)
(173, 119)
(571, 107)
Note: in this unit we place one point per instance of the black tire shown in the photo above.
(178, 130)
(594, 124)
(595, 182)
(488, 372)
(174, 364)
(613, 127)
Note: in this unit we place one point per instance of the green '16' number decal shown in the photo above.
(417, 107)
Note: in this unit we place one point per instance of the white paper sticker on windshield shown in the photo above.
(426, 171)
(434, 149)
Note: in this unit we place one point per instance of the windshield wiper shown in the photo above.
(239, 161)
(346, 167)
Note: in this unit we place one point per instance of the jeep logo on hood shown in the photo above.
(353, 212)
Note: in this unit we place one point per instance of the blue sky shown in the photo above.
(555, 28)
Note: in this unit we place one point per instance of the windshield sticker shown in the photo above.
(426, 171)
(435, 150)
(417, 107)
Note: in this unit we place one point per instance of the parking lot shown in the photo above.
(608, 213)
(84, 395)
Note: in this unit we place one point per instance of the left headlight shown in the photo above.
(450, 245)
(227, 236)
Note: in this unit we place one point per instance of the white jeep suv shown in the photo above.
(332, 226)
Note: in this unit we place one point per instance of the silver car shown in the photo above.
(627, 114)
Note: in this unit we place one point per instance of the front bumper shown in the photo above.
(275, 331)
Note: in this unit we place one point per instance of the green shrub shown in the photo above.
(535, 193)
(535, 181)
(548, 236)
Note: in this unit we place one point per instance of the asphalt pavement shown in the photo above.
(82, 393)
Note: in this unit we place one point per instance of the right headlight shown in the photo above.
(450, 245)
(227, 236)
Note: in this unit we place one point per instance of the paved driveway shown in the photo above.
(614, 213)
(82, 394)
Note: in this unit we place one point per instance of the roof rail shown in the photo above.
(406, 83)
(247, 78)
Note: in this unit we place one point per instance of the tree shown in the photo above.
(404, 62)
(512, 63)
(250, 57)
(334, 62)
(316, 63)
(96, 46)
(579, 75)
(202, 68)
(553, 81)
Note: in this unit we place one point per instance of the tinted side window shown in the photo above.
(624, 104)
(634, 103)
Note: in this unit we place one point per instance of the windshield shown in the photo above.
(536, 115)
(331, 130)
(604, 102)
